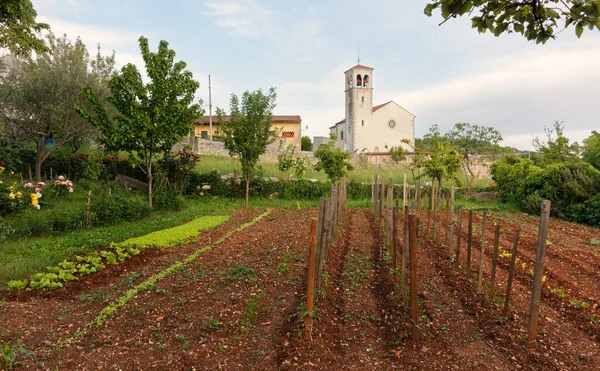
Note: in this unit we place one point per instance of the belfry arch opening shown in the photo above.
(358, 80)
(366, 81)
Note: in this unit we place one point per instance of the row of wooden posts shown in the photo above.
(413, 205)
(323, 230)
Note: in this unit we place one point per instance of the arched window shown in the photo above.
(366, 81)
(358, 81)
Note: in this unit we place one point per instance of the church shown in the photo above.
(368, 128)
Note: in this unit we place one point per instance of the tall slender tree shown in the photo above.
(247, 128)
(151, 117)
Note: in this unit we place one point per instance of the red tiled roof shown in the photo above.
(277, 119)
(363, 67)
(381, 105)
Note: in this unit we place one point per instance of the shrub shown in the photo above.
(509, 174)
(167, 199)
(106, 210)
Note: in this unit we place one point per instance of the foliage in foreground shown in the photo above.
(536, 20)
(332, 160)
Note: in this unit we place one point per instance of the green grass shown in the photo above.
(361, 173)
(173, 236)
(28, 255)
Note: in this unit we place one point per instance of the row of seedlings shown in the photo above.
(452, 238)
(386, 210)
(322, 233)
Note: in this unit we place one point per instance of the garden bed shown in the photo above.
(240, 305)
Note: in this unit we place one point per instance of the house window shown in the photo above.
(288, 134)
(272, 133)
(204, 134)
(217, 132)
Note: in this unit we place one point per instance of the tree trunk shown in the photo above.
(149, 170)
(467, 163)
(247, 191)
(39, 159)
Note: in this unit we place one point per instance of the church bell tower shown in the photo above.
(359, 106)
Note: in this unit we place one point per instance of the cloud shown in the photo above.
(243, 18)
(123, 42)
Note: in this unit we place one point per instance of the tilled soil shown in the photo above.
(240, 305)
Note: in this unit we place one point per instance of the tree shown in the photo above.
(414, 161)
(306, 144)
(332, 160)
(247, 129)
(443, 160)
(591, 149)
(558, 149)
(150, 117)
(473, 143)
(534, 19)
(19, 32)
(39, 95)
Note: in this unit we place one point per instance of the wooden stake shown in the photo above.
(29, 171)
(458, 236)
(494, 261)
(538, 273)
(404, 193)
(511, 271)
(310, 289)
(395, 234)
(481, 254)
(414, 310)
(373, 192)
(321, 235)
(469, 241)
(405, 243)
(436, 202)
(451, 226)
(381, 198)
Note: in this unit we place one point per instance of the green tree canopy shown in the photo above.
(474, 143)
(443, 160)
(39, 95)
(332, 160)
(306, 144)
(247, 129)
(19, 32)
(558, 149)
(152, 117)
(591, 149)
(538, 20)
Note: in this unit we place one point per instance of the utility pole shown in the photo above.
(210, 109)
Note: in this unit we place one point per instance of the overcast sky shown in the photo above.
(442, 74)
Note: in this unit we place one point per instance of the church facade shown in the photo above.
(367, 128)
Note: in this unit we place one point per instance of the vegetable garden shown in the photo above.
(233, 297)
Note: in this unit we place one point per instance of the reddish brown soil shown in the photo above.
(236, 307)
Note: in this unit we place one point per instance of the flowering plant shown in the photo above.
(11, 200)
(63, 185)
(36, 193)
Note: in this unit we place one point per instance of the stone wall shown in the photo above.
(480, 166)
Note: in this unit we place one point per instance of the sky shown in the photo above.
(442, 74)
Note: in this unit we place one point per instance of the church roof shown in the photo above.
(337, 123)
(363, 67)
(381, 105)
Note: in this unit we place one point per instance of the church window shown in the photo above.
(358, 80)
(366, 81)
(363, 122)
(341, 135)
(363, 99)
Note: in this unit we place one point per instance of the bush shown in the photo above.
(167, 199)
(107, 210)
(509, 174)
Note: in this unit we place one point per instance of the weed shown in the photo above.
(9, 354)
(579, 305)
(86, 298)
(249, 315)
(558, 292)
(184, 343)
(285, 264)
(211, 324)
(131, 277)
(241, 273)
(257, 352)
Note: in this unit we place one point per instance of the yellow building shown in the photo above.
(287, 128)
